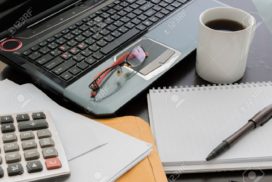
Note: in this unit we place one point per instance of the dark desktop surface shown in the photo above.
(259, 68)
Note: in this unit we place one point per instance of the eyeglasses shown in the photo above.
(133, 59)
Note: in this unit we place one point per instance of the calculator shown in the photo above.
(30, 148)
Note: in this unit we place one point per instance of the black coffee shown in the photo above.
(226, 25)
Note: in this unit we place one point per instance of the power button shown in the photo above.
(11, 45)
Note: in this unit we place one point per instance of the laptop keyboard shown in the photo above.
(76, 50)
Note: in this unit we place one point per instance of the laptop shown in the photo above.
(64, 44)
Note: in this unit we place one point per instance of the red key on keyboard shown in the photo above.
(52, 163)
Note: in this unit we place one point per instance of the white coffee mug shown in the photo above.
(222, 55)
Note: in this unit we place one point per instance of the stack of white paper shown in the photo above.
(95, 152)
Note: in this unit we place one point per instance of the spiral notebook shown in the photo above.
(188, 122)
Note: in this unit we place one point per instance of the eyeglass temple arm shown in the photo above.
(101, 76)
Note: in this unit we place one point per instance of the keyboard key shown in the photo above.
(6, 128)
(35, 48)
(82, 46)
(116, 34)
(97, 55)
(74, 50)
(90, 41)
(64, 47)
(94, 47)
(78, 57)
(34, 166)
(29, 144)
(6, 119)
(15, 169)
(52, 64)
(33, 125)
(11, 147)
(9, 137)
(109, 38)
(147, 23)
(49, 152)
(82, 65)
(122, 29)
(22, 117)
(44, 50)
(27, 135)
(66, 76)
(55, 52)
(72, 43)
(136, 21)
(90, 60)
(141, 27)
(150, 12)
(142, 17)
(43, 133)
(38, 115)
(80, 38)
(53, 163)
(34, 55)
(61, 40)
(116, 43)
(64, 66)
(13, 157)
(46, 142)
(27, 52)
(75, 70)
(44, 59)
(66, 55)
(101, 43)
(87, 33)
(68, 36)
(1, 172)
(31, 154)
(86, 53)
(53, 45)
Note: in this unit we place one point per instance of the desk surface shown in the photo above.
(259, 69)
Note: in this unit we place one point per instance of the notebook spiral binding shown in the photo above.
(187, 88)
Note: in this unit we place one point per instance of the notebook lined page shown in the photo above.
(188, 123)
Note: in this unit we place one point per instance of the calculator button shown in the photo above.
(6, 119)
(38, 115)
(15, 169)
(34, 166)
(53, 163)
(22, 117)
(46, 142)
(49, 152)
(9, 137)
(8, 128)
(31, 154)
(44, 133)
(27, 135)
(33, 125)
(0, 160)
(13, 157)
(1, 172)
(29, 144)
(11, 147)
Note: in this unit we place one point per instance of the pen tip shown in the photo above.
(210, 157)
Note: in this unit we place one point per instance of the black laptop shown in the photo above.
(85, 50)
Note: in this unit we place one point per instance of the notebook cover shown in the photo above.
(150, 169)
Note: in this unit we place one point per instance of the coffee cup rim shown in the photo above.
(228, 8)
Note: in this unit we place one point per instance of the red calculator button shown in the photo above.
(53, 163)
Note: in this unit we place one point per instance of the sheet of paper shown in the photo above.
(189, 123)
(77, 133)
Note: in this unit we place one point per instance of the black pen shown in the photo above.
(258, 119)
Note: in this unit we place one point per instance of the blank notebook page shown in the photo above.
(188, 123)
